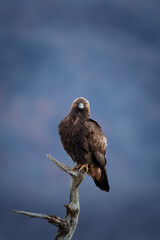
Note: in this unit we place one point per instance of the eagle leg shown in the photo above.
(84, 167)
(77, 167)
(81, 167)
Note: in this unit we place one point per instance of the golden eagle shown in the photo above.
(84, 141)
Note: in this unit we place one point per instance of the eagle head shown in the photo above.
(81, 106)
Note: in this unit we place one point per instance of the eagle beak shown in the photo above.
(81, 106)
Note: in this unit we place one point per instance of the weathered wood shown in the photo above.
(66, 226)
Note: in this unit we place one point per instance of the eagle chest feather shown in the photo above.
(73, 137)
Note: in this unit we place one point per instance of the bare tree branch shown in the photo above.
(66, 226)
(62, 166)
(57, 221)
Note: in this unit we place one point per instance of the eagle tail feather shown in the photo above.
(102, 183)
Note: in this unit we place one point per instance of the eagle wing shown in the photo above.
(97, 142)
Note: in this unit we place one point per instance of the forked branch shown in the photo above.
(66, 226)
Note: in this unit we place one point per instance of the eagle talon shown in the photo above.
(77, 167)
(84, 168)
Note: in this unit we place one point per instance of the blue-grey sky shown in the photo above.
(50, 53)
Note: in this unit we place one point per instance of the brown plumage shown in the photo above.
(84, 141)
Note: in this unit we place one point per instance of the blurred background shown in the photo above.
(50, 53)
